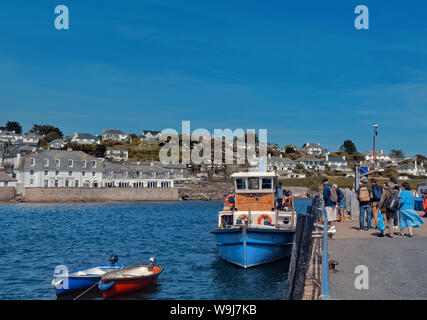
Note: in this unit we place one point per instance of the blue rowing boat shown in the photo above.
(83, 278)
(253, 230)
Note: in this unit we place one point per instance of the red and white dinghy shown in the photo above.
(128, 280)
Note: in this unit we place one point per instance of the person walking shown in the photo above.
(340, 195)
(388, 206)
(364, 196)
(408, 218)
(330, 197)
(377, 192)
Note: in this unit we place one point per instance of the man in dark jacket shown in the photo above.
(364, 194)
(389, 214)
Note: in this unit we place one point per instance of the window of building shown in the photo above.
(46, 183)
(57, 162)
(67, 182)
(70, 173)
(56, 183)
(56, 173)
(94, 173)
(46, 162)
(83, 173)
(46, 172)
(76, 183)
(83, 163)
(94, 164)
(31, 181)
(32, 162)
(31, 172)
(70, 162)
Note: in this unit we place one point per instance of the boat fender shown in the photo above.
(266, 217)
(56, 284)
(104, 287)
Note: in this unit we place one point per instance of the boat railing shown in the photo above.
(324, 284)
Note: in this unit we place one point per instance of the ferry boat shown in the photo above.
(254, 231)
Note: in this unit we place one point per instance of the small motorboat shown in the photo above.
(83, 278)
(128, 280)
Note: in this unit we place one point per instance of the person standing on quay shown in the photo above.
(385, 210)
(377, 192)
(364, 196)
(279, 196)
(331, 198)
(408, 218)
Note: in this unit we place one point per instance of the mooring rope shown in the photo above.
(86, 291)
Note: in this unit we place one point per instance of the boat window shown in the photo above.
(240, 184)
(266, 183)
(253, 183)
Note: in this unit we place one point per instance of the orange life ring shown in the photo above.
(266, 216)
(228, 202)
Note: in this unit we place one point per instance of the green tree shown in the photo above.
(398, 154)
(349, 147)
(14, 126)
(45, 129)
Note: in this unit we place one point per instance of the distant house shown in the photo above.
(150, 135)
(85, 138)
(117, 154)
(59, 168)
(31, 139)
(114, 134)
(380, 156)
(310, 162)
(135, 175)
(7, 180)
(412, 168)
(313, 149)
(11, 161)
(10, 136)
(280, 164)
(337, 163)
(56, 144)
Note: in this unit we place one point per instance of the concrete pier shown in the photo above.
(397, 267)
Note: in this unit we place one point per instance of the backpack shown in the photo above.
(393, 203)
(364, 194)
(377, 192)
(333, 195)
(340, 195)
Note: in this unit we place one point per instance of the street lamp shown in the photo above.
(373, 151)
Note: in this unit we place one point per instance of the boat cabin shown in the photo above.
(254, 190)
(254, 202)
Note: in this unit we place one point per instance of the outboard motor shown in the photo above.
(113, 259)
(151, 263)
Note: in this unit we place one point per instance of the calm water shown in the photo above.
(36, 238)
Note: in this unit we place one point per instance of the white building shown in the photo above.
(59, 168)
(313, 149)
(280, 164)
(56, 144)
(337, 163)
(380, 156)
(310, 162)
(114, 134)
(117, 154)
(414, 169)
(85, 138)
(7, 180)
(150, 135)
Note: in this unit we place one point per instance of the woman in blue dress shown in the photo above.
(409, 218)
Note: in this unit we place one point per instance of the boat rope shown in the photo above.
(86, 291)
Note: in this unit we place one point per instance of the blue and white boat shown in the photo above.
(254, 231)
(83, 278)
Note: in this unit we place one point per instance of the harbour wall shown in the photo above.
(98, 195)
(7, 193)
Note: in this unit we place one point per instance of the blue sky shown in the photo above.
(298, 69)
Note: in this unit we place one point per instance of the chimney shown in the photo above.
(343, 157)
(327, 157)
(269, 156)
(416, 165)
(280, 156)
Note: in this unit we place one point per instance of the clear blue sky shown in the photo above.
(297, 68)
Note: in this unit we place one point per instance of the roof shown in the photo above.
(309, 157)
(152, 132)
(63, 156)
(6, 177)
(279, 159)
(113, 131)
(336, 159)
(87, 136)
(253, 174)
